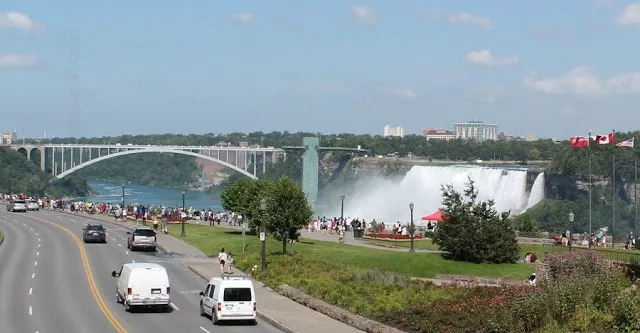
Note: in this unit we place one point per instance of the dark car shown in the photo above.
(94, 233)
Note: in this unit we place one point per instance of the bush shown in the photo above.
(473, 230)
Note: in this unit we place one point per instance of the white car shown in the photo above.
(229, 298)
(33, 205)
(17, 205)
(143, 285)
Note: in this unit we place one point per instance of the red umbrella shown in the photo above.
(437, 216)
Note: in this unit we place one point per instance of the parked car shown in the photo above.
(17, 205)
(94, 233)
(33, 205)
(142, 284)
(142, 238)
(229, 298)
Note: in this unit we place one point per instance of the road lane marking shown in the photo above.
(30, 310)
(35, 263)
(33, 276)
(126, 252)
(31, 228)
(133, 261)
(202, 328)
(37, 234)
(38, 245)
(89, 276)
(16, 221)
(174, 306)
(30, 291)
(120, 245)
(113, 239)
(39, 240)
(38, 253)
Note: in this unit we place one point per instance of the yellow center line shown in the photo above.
(89, 275)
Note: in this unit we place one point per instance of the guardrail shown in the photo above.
(620, 256)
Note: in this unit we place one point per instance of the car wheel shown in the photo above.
(127, 307)
(214, 318)
(201, 310)
(153, 249)
(118, 298)
(253, 322)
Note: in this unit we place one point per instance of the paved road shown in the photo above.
(45, 287)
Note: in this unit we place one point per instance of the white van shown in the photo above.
(229, 298)
(143, 284)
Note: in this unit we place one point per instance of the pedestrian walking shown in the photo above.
(229, 262)
(222, 257)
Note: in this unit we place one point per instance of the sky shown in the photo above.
(543, 68)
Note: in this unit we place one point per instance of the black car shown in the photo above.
(94, 233)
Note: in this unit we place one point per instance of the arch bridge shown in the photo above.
(64, 159)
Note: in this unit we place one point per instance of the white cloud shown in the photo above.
(16, 20)
(364, 14)
(407, 94)
(481, 22)
(243, 18)
(485, 58)
(582, 81)
(630, 15)
(9, 60)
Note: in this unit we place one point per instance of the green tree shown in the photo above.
(528, 224)
(288, 210)
(472, 230)
(243, 197)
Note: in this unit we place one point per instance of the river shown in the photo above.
(151, 195)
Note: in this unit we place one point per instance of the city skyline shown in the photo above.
(317, 67)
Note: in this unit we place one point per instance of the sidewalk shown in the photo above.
(279, 311)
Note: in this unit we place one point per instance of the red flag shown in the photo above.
(579, 141)
(604, 139)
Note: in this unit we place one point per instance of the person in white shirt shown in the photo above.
(222, 257)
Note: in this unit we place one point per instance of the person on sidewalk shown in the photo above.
(229, 262)
(222, 257)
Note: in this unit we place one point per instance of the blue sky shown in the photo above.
(547, 68)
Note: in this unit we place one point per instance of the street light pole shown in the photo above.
(182, 234)
(244, 241)
(263, 236)
(122, 196)
(342, 209)
(571, 217)
(412, 230)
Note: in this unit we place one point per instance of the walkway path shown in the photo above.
(278, 310)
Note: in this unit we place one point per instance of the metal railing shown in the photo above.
(616, 255)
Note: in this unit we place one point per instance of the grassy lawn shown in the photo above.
(211, 239)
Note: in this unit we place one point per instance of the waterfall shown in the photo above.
(388, 201)
(537, 191)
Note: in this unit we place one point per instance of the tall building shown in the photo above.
(475, 130)
(437, 134)
(393, 131)
(8, 138)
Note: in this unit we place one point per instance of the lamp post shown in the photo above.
(184, 192)
(342, 208)
(412, 228)
(122, 195)
(571, 217)
(263, 236)
(244, 241)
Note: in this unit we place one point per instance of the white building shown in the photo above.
(8, 138)
(475, 130)
(393, 131)
(437, 134)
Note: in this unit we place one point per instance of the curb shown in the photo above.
(262, 316)
(2, 238)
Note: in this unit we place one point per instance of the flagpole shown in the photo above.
(635, 185)
(613, 179)
(590, 185)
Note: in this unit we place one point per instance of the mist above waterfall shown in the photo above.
(388, 200)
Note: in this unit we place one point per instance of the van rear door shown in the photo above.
(149, 285)
(237, 301)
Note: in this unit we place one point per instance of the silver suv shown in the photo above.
(17, 205)
(142, 238)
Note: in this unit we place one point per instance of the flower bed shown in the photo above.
(392, 237)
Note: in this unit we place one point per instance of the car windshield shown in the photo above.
(237, 294)
(95, 227)
(19, 202)
(144, 232)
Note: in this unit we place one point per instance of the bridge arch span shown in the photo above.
(154, 150)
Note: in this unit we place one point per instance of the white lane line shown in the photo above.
(30, 291)
(33, 276)
(38, 245)
(202, 328)
(37, 234)
(174, 306)
(31, 228)
(113, 239)
(35, 263)
(120, 245)
(39, 239)
(126, 252)
(72, 220)
(133, 261)
(16, 221)
(38, 253)
(30, 310)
